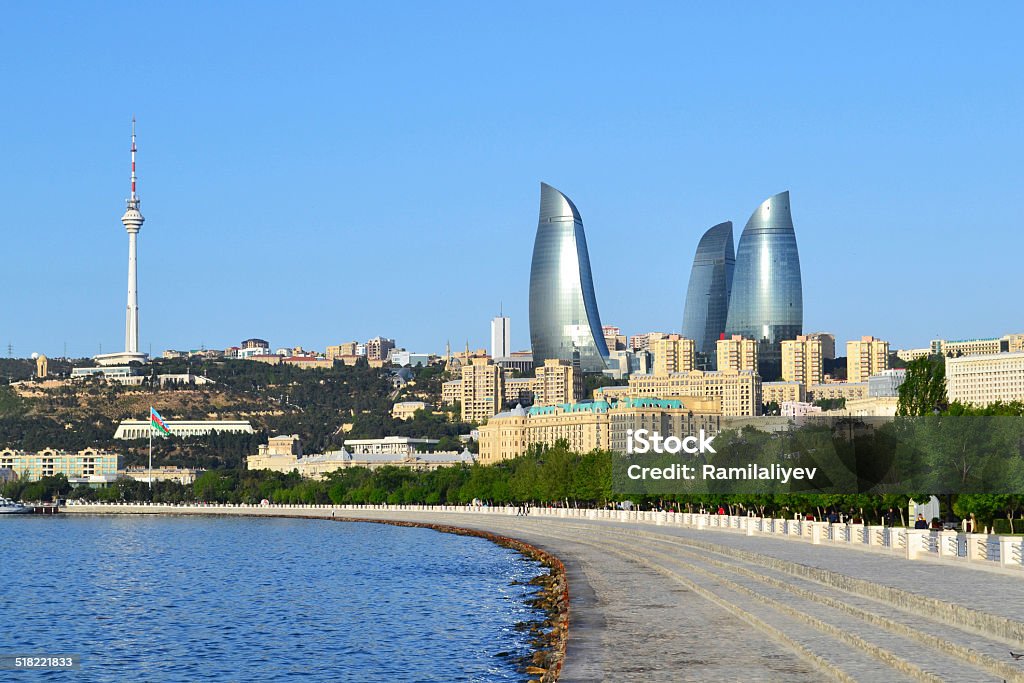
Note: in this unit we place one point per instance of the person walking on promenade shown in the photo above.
(921, 522)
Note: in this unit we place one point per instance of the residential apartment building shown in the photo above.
(673, 353)
(783, 392)
(520, 390)
(642, 342)
(451, 392)
(88, 465)
(837, 390)
(828, 343)
(378, 348)
(481, 390)
(557, 381)
(736, 353)
(614, 338)
(865, 357)
(254, 343)
(803, 360)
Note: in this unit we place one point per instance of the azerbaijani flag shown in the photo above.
(157, 423)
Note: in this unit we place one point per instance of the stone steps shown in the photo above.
(841, 663)
(830, 622)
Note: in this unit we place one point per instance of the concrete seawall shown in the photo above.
(666, 602)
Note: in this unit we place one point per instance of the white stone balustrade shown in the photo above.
(914, 544)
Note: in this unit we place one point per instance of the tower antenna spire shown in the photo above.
(134, 200)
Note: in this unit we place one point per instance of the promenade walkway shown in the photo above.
(668, 603)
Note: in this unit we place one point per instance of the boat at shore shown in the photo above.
(9, 507)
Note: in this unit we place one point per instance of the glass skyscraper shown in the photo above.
(767, 302)
(563, 308)
(707, 297)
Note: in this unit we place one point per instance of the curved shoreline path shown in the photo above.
(667, 603)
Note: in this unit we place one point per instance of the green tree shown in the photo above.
(924, 389)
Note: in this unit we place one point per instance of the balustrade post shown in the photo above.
(1010, 551)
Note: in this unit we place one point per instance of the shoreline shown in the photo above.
(549, 641)
(549, 647)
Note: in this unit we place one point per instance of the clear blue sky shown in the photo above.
(313, 173)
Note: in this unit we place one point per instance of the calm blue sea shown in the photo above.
(221, 599)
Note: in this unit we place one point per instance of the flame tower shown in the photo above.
(564, 322)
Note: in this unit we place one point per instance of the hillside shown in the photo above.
(323, 406)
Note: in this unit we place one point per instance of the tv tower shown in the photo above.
(132, 220)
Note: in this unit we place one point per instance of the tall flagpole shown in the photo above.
(151, 448)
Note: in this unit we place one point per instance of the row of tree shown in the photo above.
(552, 476)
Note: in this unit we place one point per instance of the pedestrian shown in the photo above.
(921, 522)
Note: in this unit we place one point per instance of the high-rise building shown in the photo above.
(642, 342)
(673, 354)
(501, 337)
(132, 220)
(803, 360)
(866, 357)
(766, 302)
(613, 338)
(563, 308)
(481, 387)
(707, 296)
(736, 353)
(828, 343)
(378, 348)
(557, 381)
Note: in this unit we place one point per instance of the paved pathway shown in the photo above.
(671, 604)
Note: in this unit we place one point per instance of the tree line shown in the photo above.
(553, 476)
